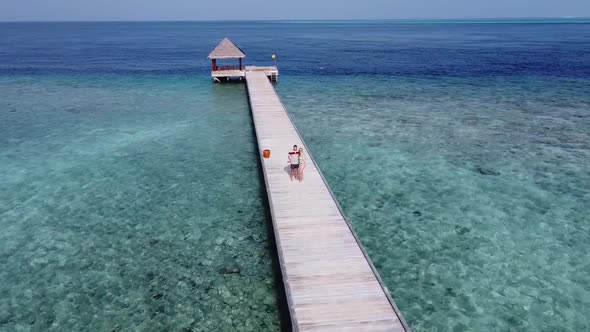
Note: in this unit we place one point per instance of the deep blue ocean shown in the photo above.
(131, 196)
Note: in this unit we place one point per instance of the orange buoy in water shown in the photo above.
(266, 153)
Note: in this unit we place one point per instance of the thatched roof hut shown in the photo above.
(226, 50)
(224, 70)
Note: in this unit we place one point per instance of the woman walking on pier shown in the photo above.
(301, 164)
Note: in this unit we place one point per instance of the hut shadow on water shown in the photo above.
(229, 97)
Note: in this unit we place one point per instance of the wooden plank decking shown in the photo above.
(329, 281)
(228, 73)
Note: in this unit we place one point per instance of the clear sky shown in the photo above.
(83, 10)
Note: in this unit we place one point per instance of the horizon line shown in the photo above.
(306, 19)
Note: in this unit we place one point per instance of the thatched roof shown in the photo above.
(227, 50)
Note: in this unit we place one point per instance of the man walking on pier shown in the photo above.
(294, 162)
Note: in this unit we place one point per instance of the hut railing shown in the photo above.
(219, 68)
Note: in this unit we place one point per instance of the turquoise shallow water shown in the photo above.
(471, 196)
(130, 194)
(128, 203)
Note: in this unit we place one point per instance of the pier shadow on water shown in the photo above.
(223, 93)
(286, 324)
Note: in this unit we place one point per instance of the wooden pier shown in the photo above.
(330, 283)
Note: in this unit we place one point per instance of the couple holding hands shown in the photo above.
(297, 162)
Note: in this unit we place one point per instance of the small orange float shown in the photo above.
(266, 153)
